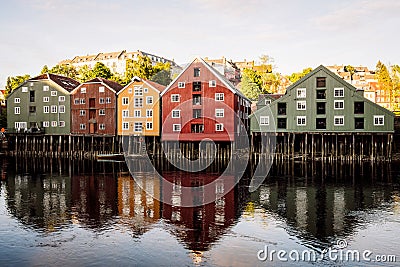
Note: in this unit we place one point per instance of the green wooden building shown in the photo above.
(41, 104)
(321, 114)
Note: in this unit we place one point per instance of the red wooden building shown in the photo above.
(94, 107)
(200, 103)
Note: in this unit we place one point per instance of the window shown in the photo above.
(101, 100)
(149, 100)
(219, 113)
(212, 83)
(281, 123)
(339, 92)
(46, 124)
(175, 98)
(264, 120)
(197, 128)
(149, 113)
(101, 89)
(53, 109)
(339, 104)
(196, 100)
(32, 96)
(219, 97)
(282, 109)
(125, 113)
(130, 90)
(176, 127)
(219, 127)
(267, 101)
(138, 102)
(379, 120)
(358, 107)
(176, 113)
(83, 90)
(45, 88)
(61, 124)
(359, 123)
(46, 109)
(108, 100)
(125, 126)
(76, 101)
(301, 120)
(61, 98)
(24, 89)
(82, 101)
(196, 72)
(181, 85)
(149, 126)
(301, 105)
(196, 113)
(321, 94)
(17, 100)
(321, 82)
(20, 125)
(321, 108)
(54, 124)
(338, 120)
(102, 112)
(32, 109)
(137, 113)
(82, 126)
(102, 126)
(61, 109)
(125, 101)
(82, 112)
(301, 92)
(146, 90)
(138, 127)
(196, 86)
(53, 93)
(138, 91)
(321, 123)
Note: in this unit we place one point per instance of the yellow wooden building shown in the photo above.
(139, 108)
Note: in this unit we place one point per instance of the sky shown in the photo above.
(296, 34)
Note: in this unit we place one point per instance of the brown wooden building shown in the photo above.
(94, 107)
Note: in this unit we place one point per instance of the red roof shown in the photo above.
(65, 82)
(113, 85)
(157, 86)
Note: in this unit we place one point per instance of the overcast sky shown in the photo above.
(297, 34)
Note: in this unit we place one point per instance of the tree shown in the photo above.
(64, 70)
(162, 77)
(99, 70)
(3, 118)
(45, 69)
(294, 77)
(395, 76)
(85, 74)
(384, 81)
(251, 84)
(102, 71)
(14, 82)
(143, 68)
(351, 70)
(270, 83)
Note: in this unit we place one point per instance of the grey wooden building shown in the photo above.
(321, 115)
(41, 104)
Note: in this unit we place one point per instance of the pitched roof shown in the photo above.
(67, 83)
(111, 84)
(157, 86)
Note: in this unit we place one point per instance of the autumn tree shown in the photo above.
(395, 76)
(350, 69)
(64, 70)
(251, 84)
(143, 68)
(384, 80)
(14, 82)
(294, 77)
(162, 77)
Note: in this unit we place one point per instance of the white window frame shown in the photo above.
(108, 100)
(301, 118)
(264, 120)
(101, 89)
(101, 100)
(146, 90)
(46, 124)
(301, 92)
(61, 109)
(149, 113)
(82, 126)
(212, 83)
(338, 118)
(53, 109)
(173, 96)
(54, 124)
(378, 117)
(125, 125)
(337, 102)
(125, 113)
(46, 109)
(137, 125)
(125, 101)
(219, 97)
(82, 101)
(336, 92)
(82, 112)
(219, 112)
(217, 125)
(137, 113)
(76, 101)
(46, 99)
(61, 124)
(102, 126)
(102, 112)
(181, 84)
(138, 102)
(46, 88)
(17, 110)
(20, 125)
(83, 90)
(176, 111)
(138, 91)
(149, 100)
(17, 100)
(176, 127)
(301, 105)
(61, 98)
(267, 101)
(53, 93)
(147, 125)
(24, 89)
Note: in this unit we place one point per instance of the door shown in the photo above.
(92, 128)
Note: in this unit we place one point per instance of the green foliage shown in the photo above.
(351, 70)
(85, 74)
(251, 84)
(143, 68)
(270, 83)
(396, 86)
(100, 70)
(14, 82)
(162, 77)
(45, 69)
(64, 70)
(294, 77)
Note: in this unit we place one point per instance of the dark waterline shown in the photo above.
(58, 212)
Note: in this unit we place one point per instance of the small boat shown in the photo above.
(116, 157)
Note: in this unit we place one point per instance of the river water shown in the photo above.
(80, 213)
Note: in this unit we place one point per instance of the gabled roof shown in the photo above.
(116, 87)
(154, 85)
(157, 86)
(213, 71)
(67, 83)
